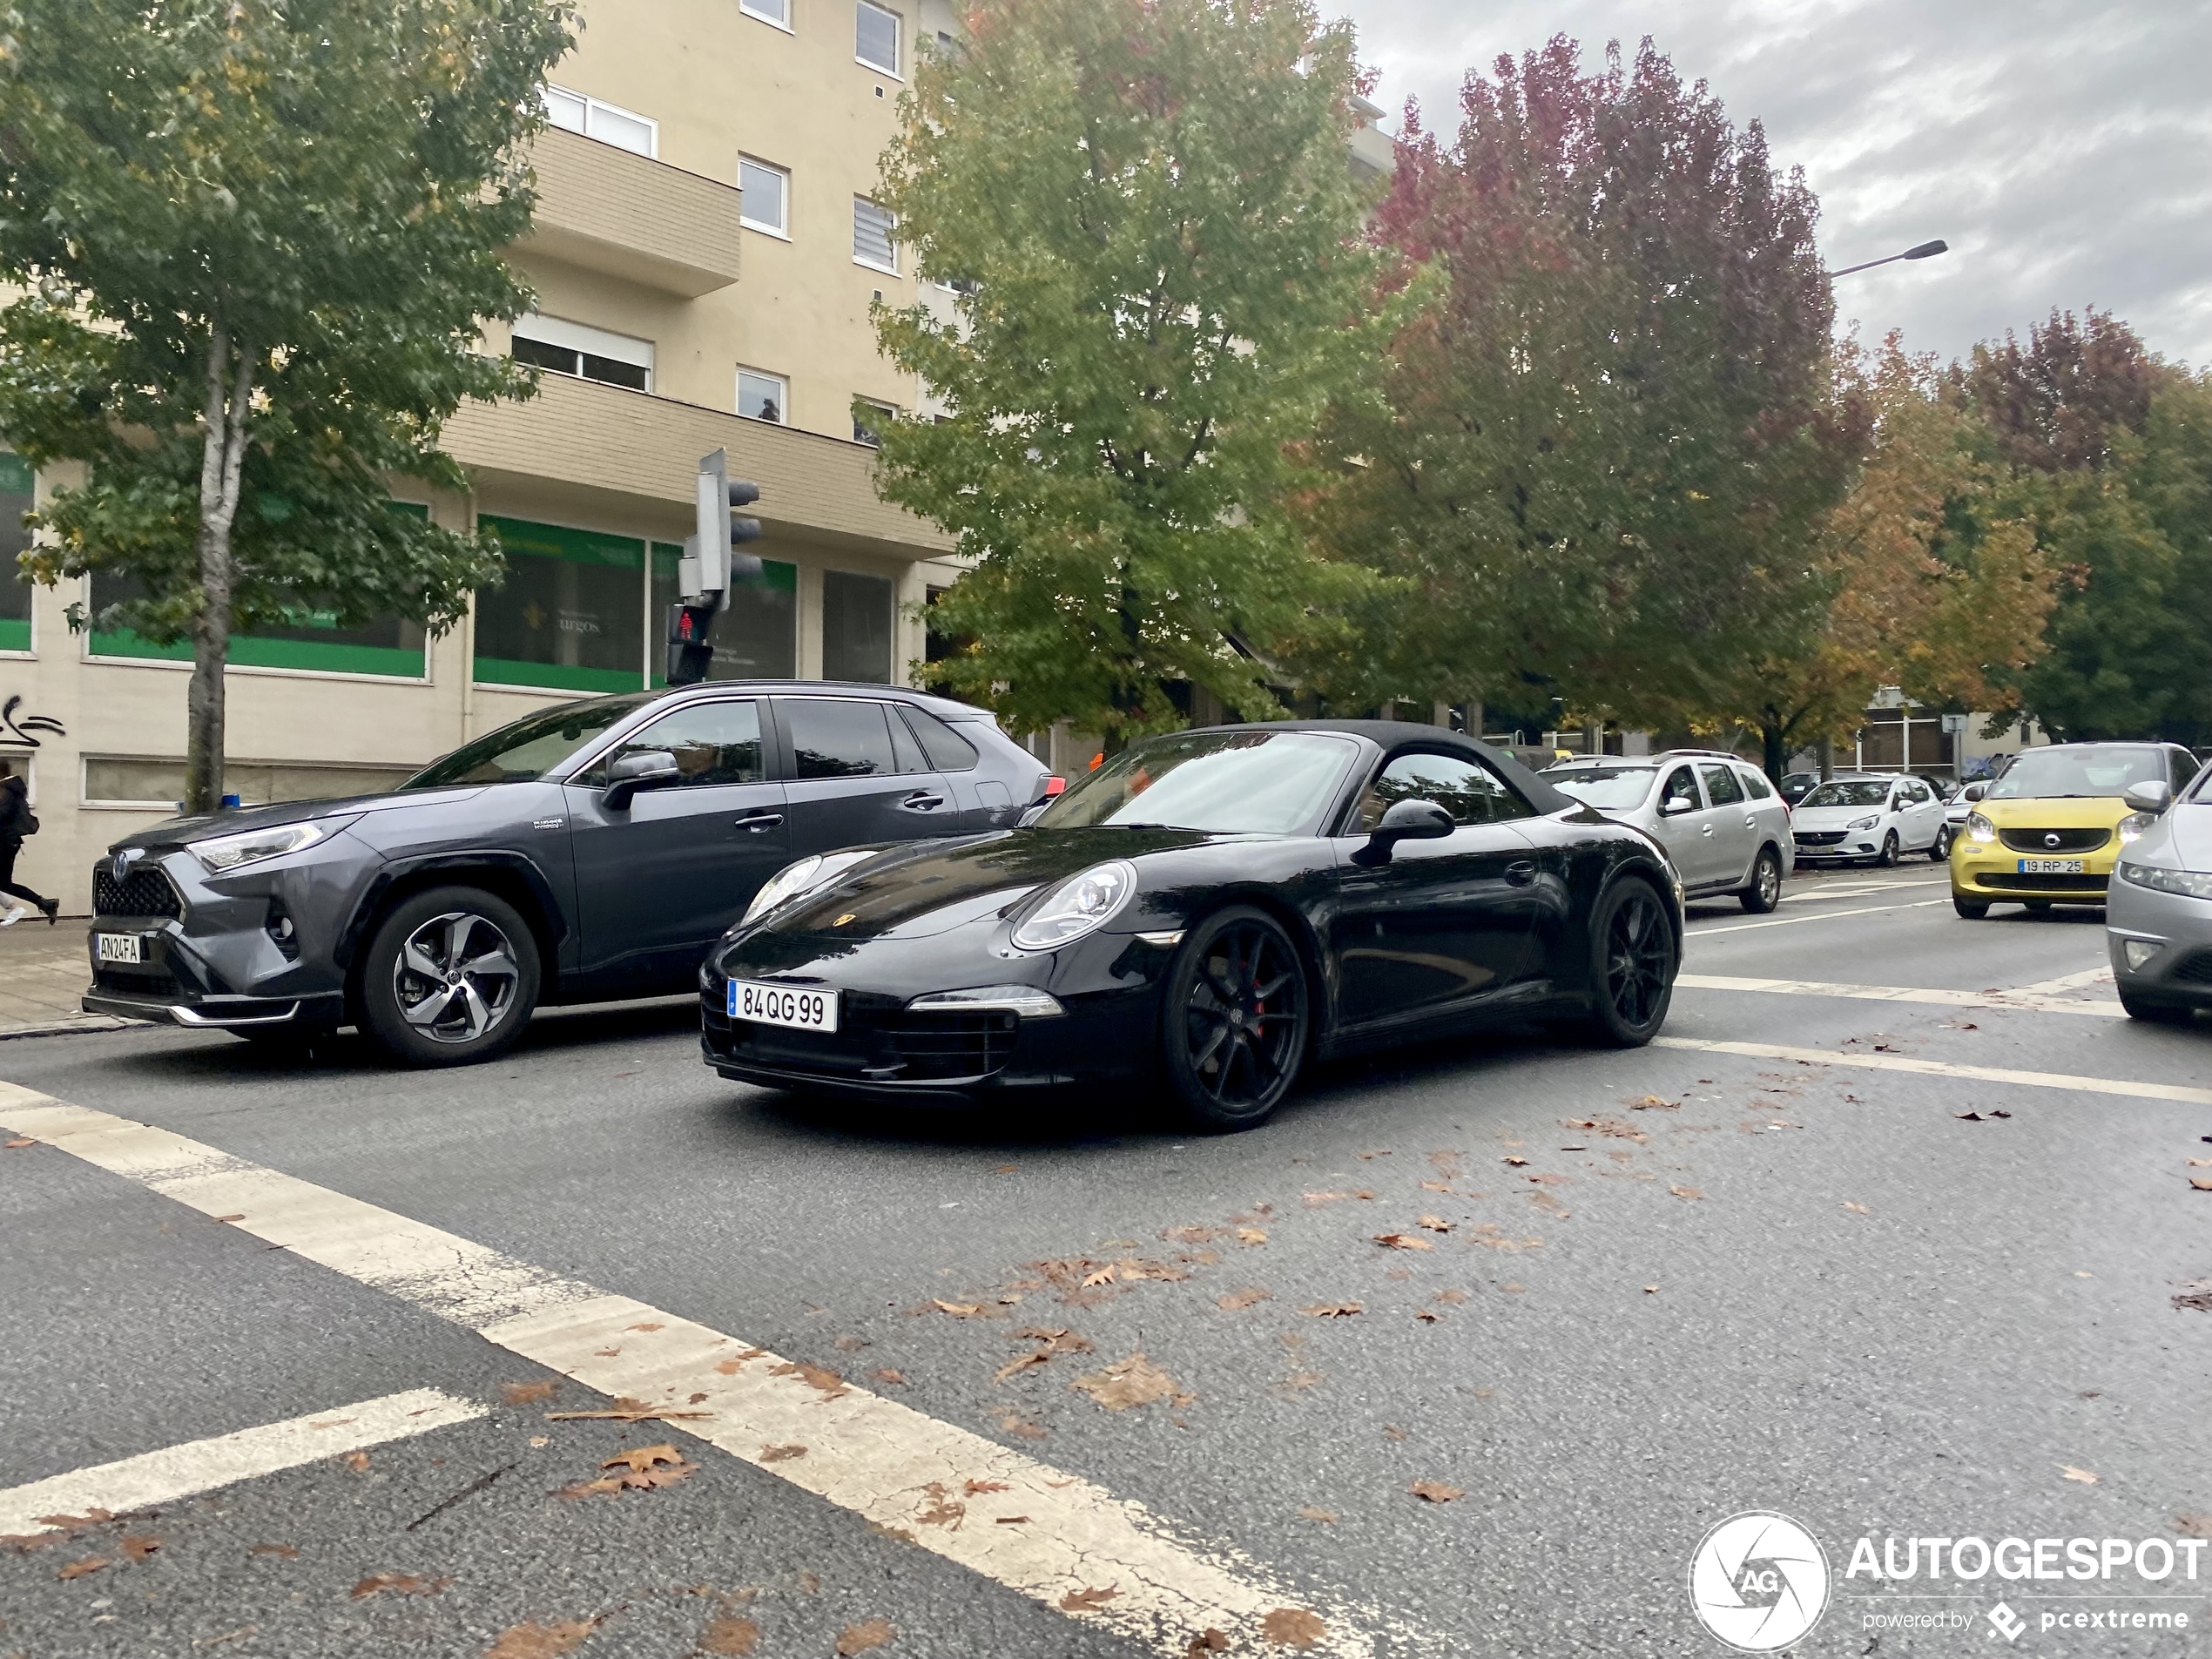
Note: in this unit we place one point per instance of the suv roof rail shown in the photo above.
(1716, 754)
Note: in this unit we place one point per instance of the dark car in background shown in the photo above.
(1203, 913)
(587, 852)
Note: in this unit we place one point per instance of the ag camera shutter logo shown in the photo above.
(1758, 1582)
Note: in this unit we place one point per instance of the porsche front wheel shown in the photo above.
(1235, 1019)
(1634, 956)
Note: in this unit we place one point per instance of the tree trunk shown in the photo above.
(1827, 759)
(1777, 759)
(230, 391)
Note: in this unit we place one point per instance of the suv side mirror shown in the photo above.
(1404, 820)
(1675, 805)
(2154, 797)
(639, 769)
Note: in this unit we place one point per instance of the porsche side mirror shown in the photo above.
(1404, 820)
(639, 769)
(1675, 805)
(2154, 797)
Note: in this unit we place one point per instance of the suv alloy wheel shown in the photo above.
(450, 977)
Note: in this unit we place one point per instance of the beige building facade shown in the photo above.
(705, 257)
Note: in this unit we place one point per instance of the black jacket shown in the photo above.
(16, 820)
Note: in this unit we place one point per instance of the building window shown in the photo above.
(571, 614)
(856, 627)
(871, 245)
(756, 633)
(775, 11)
(596, 118)
(875, 37)
(762, 397)
(118, 780)
(765, 197)
(16, 481)
(588, 353)
(307, 638)
(867, 428)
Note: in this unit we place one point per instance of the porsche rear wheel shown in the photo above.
(1634, 956)
(1235, 1021)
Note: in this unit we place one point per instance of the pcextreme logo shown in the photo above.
(1758, 1582)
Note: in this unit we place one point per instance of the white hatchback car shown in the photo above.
(1723, 827)
(1872, 818)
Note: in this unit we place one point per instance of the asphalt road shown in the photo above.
(1676, 1284)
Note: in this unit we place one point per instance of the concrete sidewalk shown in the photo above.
(42, 972)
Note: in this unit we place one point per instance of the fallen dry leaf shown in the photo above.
(1435, 1186)
(1011, 1520)
(781, 1454)
(1453, 1297)
(1435, 1491)
(1298, 1381)
(1293, 1626)
(1020, 1363)
(1686, 1192)
(527, 1394)
(944, 1509)
(1207, 1641)
(138, 1546)
(1516, 1161)
(977, 1488)
(1236, 1301)
(357, 1461)
(958, 1310)
(1400, 1240)
(1133, 1381)
(1512, 1290)
(90, 1564)
(1651, 1289)
(399, 1583)
(1014, 1424)
(1391, 1432)
(1310, 1512)
(1856, 1208)
(828, 1381)
(1103, 1276)
(1190, 1235)
(289, 1552)
(865, 1637)
(731, 1638)
(1332, 1310)
(530, 1640)
(17, 1146)
(2202, 1183)
(650, 1324)
(1249, 1235)
(1435, 1223)
(2193, 1525)
(645, 1459)
(886, 1375)
(2073, 1474)
(1429, 1316)
(1653, 1103)
(1086, 1600)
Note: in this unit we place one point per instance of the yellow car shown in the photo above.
(2049, 831)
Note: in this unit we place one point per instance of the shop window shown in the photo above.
(570, 614)
(585, 352)
(756, 632)
(597, 118)
(16, 485)
(856, 627)
(308, 639)
(875, 36)
(764, 197)
(762, 396)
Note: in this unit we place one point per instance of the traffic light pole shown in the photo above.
(710, 562)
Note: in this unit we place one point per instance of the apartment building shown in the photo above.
(704, 256)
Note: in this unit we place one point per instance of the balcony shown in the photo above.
(624, 215)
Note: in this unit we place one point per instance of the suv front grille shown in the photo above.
(145, 891)
(2070, 840)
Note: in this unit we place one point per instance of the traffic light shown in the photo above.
(691, 647)
(721, 531)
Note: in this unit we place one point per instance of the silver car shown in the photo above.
(2158, 911)
(1718, 818)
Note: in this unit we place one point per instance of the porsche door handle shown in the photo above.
(759, 821)
(1520, 873)
(922, 801)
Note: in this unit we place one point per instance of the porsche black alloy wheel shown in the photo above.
(1635, 955)
(1235, 1019)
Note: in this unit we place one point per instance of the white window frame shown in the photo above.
(554, 96)
(751, 8)
(898, 39)
(783, 394)
(781, 233)
(582, 337)
(891, 223)
(888, 411)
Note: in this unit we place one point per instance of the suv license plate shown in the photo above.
(775, 1005)
(2050, 867)
(119, 948)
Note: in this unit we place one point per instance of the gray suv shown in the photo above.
(1718, 818)
(587, 852)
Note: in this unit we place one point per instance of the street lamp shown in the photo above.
(1925, 251)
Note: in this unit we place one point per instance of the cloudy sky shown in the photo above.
(2063, 150)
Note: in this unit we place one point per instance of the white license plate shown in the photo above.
(119, 948)
(780, 1005)
(2050, 867)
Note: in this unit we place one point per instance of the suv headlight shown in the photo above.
(815, 870)
(1081, 905)
(1980, 828)
(222, 853)
(2135, 825)
(2191, 884)
(1862, 823)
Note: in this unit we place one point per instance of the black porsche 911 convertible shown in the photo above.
(1205, 912)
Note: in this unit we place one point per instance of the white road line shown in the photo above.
(1855, 890)
(903, 1471)
(201, 1465)
(2071, 981)
(1825, 915)
(1944, 1068)
(2103, 1007)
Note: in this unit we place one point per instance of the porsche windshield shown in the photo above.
(523, 752)
(1233, 782)
(1613, 788)
(2044, 774)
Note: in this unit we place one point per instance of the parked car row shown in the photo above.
(1721, 822)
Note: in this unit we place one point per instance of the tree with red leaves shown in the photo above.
(1612, 437)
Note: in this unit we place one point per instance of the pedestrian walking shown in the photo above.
(17, 821)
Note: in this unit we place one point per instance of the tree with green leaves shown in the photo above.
(1609, 446)
(258, 239)
(1150, 210)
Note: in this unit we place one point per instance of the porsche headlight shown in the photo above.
(1863, 823)
(2192, 884)
(1077, 907)
(222, 853)
(815, 870)
(1980, 828)
(2136, 825)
